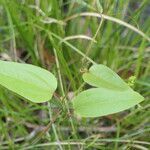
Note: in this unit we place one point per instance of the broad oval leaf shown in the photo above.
(102, 76)
(102, 101)
(31, 82)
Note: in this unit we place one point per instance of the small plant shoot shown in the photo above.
(74, 74)
(111, 94)
(28, 81)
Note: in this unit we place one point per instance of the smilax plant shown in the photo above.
(110, 94)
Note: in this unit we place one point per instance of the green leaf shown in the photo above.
(112, 94)
(28, 81)
(102, 76)
(102, 101)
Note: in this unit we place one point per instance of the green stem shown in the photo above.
(62, 90)
(53, 126)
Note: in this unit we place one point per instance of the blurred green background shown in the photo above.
(50, 34)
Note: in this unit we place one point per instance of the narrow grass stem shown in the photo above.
(12, 32)
(62, 89)
(67, 43)
(111, 19)
(99, 142)
(93, 39)
(74, 48)
(53, 127)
